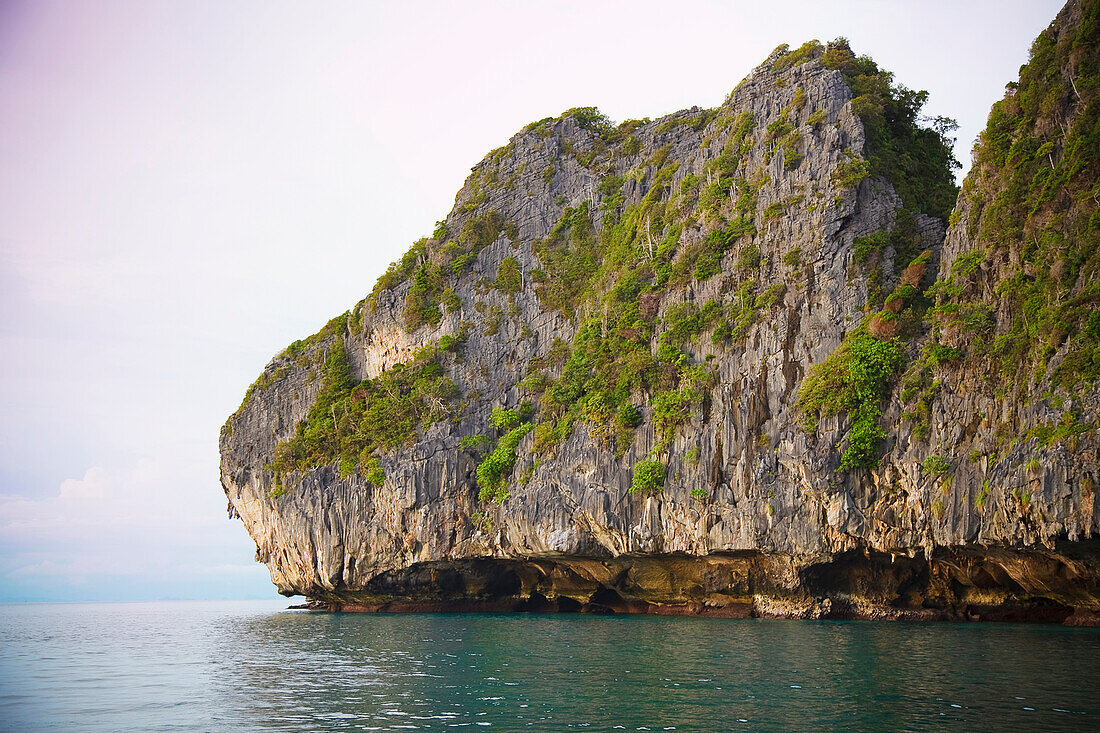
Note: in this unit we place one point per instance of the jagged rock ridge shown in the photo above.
(635, 310)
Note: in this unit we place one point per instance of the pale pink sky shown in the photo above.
(186, 187)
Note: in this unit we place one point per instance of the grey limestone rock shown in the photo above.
(780, 531)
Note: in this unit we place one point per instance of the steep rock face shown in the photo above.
(690, 270)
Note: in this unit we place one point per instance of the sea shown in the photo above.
(243, 666)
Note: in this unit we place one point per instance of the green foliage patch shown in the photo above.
(434, 266)
(649, 477)
(854, 380)
(1033, 190)
(509, 278)
(570, 257)
(936, 465)
(494, 469)
(351, 422)
(602, 372)
(917, 161)
(673, 407)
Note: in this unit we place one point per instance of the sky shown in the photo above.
(187, 187)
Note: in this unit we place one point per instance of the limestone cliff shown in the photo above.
(729, 361)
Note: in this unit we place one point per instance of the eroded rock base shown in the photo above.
(1057, 585)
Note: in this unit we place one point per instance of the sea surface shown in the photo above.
(239, 666)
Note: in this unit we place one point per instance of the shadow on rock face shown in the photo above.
(991, 584)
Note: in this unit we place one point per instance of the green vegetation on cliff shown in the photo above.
(624, 267)
(916, 160)
(618, 262)
(352, 422)
(434, 265)
(1031, 207)
(493, 471)
(854, 380)
(649, 476)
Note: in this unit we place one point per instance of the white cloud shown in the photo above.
(138, 521)
(101, 498)
(92, 486)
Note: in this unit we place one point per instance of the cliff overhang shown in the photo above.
(1057, 585)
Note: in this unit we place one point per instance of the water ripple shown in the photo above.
(240, 666)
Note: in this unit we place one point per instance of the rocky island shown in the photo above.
(759, 360)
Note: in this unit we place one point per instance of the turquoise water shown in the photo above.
(251, 666)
